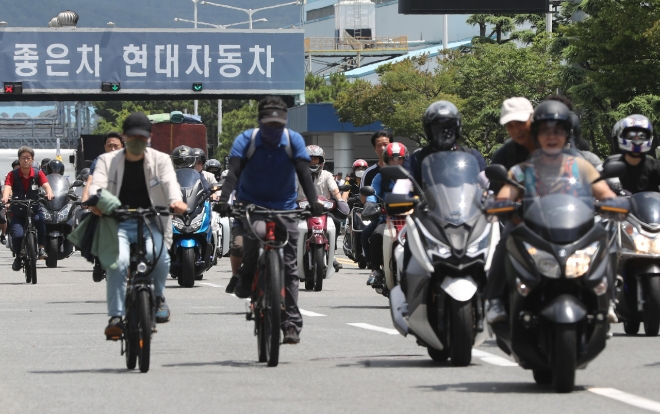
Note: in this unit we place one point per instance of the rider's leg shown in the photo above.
(235, 255)
(116, 278)
(16, 230)
(160, 271)
(377, 254)
(337, 223)
(366, 235)
(496, 286)
(40, 225)
(248, 266)
(291, 318)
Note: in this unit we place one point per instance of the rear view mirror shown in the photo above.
(497, 173)
(72, 158)
(77, 183)
(346, 187)
(612, 169)
(73, 197)
(367, 191)
(396, 204)
(395, 172)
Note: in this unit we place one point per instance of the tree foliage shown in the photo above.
(318, 89)
(233, 124)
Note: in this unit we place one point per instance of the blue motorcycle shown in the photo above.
(194, 246)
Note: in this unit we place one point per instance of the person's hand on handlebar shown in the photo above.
(179, 207)
(223, 208)
(49, 194)
(316, 208)
(5, 200)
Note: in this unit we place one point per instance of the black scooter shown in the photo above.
(559, 272)
(60, 218)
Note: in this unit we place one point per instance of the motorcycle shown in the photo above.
(316, 254)
(451, 243)
(194, 243)
(60, 218)
(639, 265)
(557, 264)
(352, 245)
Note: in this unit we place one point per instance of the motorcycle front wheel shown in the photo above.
(53, 248)
(461, 333)
(187, 276)
(319, 267)
(564, 358)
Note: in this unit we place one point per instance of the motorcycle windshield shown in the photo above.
(60, 187)
(646, 207)
(558, 202)
(451, 186)
(191, 185)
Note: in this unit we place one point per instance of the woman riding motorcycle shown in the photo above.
(551, 129)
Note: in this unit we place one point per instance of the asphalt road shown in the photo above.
(54, 357)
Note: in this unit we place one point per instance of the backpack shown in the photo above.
(253, 144)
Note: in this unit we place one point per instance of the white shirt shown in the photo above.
(324, 183)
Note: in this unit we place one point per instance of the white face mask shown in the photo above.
(359, 174)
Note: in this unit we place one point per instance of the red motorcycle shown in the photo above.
(316, 254)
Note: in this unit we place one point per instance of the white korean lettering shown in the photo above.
(56, 52)
(84, 62)
(257, 61)
(171, 60)
(135, 55)
(194, 65)
(26, 59)
(227, 59)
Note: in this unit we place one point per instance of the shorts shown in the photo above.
(3, 216)
(236, 241)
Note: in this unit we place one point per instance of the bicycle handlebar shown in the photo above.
(131, 213)
(240, 211)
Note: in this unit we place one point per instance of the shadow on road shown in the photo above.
(496, 387)
(229, 363)
(88, 371)
(359, 307)
(218, 313)
(77, 301)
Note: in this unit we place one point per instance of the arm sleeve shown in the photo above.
(41, 178)
(235, 167)
(332, 186)
(10, 179)
(100, 176)
(376, 185)
(480, 159)
(305, 179)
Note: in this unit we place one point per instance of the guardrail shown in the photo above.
(356, 44)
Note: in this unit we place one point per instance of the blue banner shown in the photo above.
(68, 60)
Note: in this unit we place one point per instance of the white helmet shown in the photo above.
(316, 151)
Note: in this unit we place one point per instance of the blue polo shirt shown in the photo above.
(268, 179)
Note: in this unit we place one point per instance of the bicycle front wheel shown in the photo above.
(31, 258)
(273, 310)
(144, 329)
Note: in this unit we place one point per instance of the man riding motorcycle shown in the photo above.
(551, 129)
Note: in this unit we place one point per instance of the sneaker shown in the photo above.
(337, 265)
(243, 288)
(17, 264)
(611, 314)
(115, 329)
(3, 239)
(42, 254)
(162, 310)
(372, 277)
(98, 274)
(291, 336)
(496, 311)
(232, 284)
(379, 281)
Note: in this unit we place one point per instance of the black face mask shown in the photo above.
(271, 136)
(444, 136)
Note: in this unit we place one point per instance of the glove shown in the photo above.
(316, 208)
(223, 208)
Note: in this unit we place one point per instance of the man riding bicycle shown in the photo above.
(267, 161)
(23, 184)
(141, 178)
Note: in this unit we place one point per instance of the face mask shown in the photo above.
(271, 136)
(359, 174)
(136, 146)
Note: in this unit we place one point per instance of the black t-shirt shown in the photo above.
(508, 155)
(644, 176)
(370, 175)
(134, 192)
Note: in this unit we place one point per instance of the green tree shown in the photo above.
(318, 89)
(233, 124)
(507, 24)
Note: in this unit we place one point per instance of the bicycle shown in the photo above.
(267, 300)
(29, 248)
(140, 319)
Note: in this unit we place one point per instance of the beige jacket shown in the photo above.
(161, 180)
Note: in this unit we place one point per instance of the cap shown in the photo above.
(516, 109)
(273, 114)
(137, 124)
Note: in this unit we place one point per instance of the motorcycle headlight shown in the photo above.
(327, 204)
(579, 262)
(434, 247)
(47, 215)
(544, 261)
(643, 244)
(197, 221)
(479, 245)
(177, 223)
(64, 213)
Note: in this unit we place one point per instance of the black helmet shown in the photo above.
(84, 174)
(632, 134)
(182, 157)
(213, 166)
(442, 125)
(44, 163)
(15, 164)
(552, 111)
(199, 154)
(55, 167)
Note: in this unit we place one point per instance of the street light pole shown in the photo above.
(195, 102)
(249, 12)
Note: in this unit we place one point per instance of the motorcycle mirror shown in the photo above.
(73, 197)
(77, 183)
(346, 187)
(367, 191)
(496, 173)
(395, 172)
(397, 204)
(612, 169)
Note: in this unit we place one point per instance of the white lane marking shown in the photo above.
(374, 328)
(626, 398)
(493, 359)
(247, 299)
(309, 313)
(210, 284)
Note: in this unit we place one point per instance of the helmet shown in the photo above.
(199, 154)
(182, 157)
(442, 125)
(55, 167)
(552, 111)
(359, 164)
(316, 151)
(84, 174)
(36, 165)
(213, 166)
(632, 134)
(15, 164)
(44, 163)
(394, 150)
